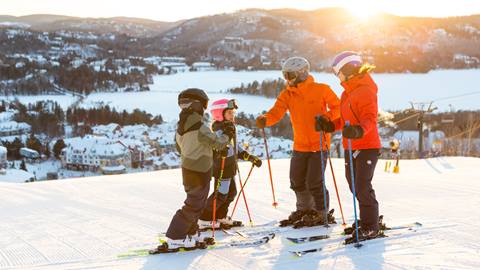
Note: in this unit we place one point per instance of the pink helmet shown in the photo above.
(218, 107)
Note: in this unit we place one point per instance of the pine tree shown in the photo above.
(57, 148)
(47, 151)
(23, 166)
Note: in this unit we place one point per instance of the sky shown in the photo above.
(162, 10)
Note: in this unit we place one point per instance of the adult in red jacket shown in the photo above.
(358, 105)
(305, 99)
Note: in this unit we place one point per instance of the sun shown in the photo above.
(362, 10)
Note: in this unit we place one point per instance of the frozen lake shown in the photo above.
(395, 90)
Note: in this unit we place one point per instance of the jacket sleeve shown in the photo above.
(177, 145)
(333, 104)
(278, 110)
(367, 110)
(207, 137)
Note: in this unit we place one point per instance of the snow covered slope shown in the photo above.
(86, 223)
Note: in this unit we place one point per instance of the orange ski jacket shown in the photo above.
(305, 101)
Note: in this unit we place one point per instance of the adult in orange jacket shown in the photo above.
(358, 105)
(304, 99)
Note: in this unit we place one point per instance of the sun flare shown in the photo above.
(362, 10)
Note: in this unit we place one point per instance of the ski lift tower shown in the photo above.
(421, 109)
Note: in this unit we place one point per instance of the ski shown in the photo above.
(301, 240)
(300, 253)
(163, 247)
(396, 232)
(209, 244)
(249, 242)
(313, 238)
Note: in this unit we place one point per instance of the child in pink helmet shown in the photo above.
(223, 113)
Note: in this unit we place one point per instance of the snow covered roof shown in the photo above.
(113, 168)
(13, 125)
(202, 64)
(7, 115)
(105, 129)
(23, 138)
(135, 130)
(16, 176)
(96, 145)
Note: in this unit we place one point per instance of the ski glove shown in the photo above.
(255, 160)
(352, 132)
(229, 129)
(224, 151)
(323, 124)
(261, 121)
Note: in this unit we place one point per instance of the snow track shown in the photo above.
(86, 223)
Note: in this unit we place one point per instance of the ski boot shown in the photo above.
(331, 217)
(205, 225)
(228, 223)
(351, 229)
(293, 217)
(363, 235)
(310, 219)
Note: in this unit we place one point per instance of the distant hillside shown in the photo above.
(262, 39)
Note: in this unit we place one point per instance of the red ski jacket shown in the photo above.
(358, 105)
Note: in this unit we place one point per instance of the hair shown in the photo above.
(351, 71)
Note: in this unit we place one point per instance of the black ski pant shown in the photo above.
(185, 220)
(225, 195)
(306, 180)
(364, 162)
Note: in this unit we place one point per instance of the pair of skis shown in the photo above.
(395, 231)
(208, 243)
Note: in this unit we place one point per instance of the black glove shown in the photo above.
(323, 124)
(261, 121)
(224, 151)
(352, 132)
(255, 160)
(229, 129)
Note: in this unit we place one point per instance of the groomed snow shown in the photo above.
(85, 223)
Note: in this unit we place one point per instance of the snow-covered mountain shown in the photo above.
(263, 38)
(86, 223)
(135, 27)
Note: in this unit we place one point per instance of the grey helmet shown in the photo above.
(295, 69)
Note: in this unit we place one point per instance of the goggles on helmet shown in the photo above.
(289, 75)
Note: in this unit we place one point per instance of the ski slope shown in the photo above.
(86, 223)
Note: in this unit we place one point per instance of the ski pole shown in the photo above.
(352, 176)
(275, 204)
(214, 210)
(334, 182)
(239, 177)
(244, 197)
(241, 191)
(323, 180)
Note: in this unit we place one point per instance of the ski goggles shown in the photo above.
(289, 75)
(230, 105)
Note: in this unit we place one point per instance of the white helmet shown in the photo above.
(295, 69)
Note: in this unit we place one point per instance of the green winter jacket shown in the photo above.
(195, 142)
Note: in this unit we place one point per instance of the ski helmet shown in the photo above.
(192, 95)
(295, 69)
(219, 106)
(346, 62)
